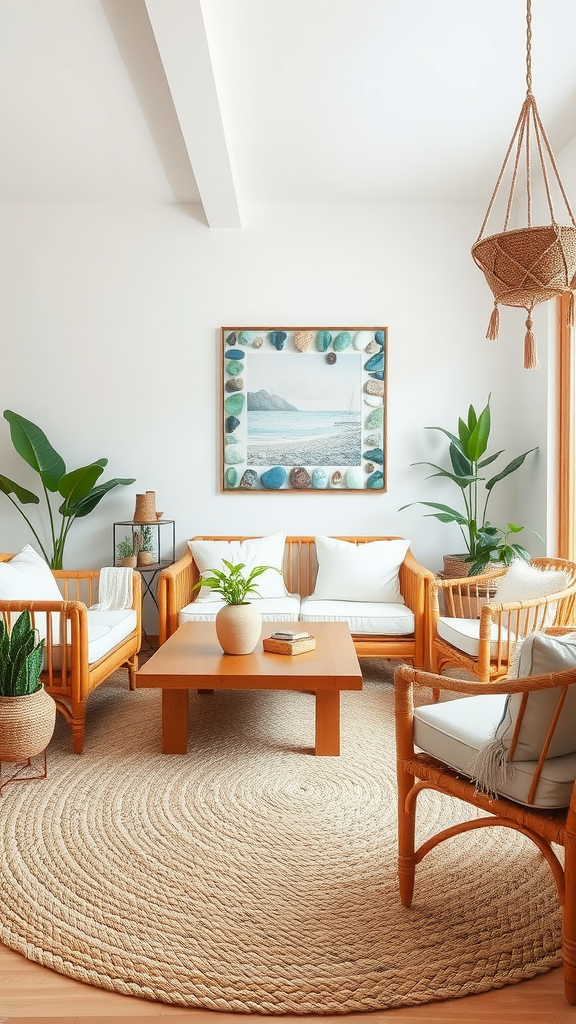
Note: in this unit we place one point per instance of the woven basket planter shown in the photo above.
(529, 265)
(26, 725)
(456, 568)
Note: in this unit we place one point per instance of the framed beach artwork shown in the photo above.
(304, 408)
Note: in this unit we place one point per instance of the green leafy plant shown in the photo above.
(125, 548)
(78, 488)
(484, 542)
(21, 655)
(231, 584)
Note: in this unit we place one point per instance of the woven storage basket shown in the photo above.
(528, 265)
(26, 725)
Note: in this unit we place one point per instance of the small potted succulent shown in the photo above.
(238, 623)
(125, 553)
(144, 545)
(27, 712)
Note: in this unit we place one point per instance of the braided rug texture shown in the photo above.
(251, 876)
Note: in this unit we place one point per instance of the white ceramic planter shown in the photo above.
(26, 725)
(238, 628)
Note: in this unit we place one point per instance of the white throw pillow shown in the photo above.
(27, 577)
(208, 554)
(540, 654)
(525, 582)
(359, 572)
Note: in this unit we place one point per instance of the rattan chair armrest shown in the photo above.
(405, 678)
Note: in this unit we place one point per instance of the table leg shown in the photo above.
(328, 722)
(174, 721)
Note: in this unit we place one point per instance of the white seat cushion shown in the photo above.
(363, 617)
(105, 631)
(272, 609)
(455, 731)
(465, 634)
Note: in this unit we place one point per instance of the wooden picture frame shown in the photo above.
(304, 408)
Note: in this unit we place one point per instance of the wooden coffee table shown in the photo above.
(193, 659)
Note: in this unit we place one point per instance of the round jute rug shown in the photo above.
(251, 876)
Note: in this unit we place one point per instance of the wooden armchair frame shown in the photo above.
(175, 585)
(68, 677)
(543, 827)
(469, 598)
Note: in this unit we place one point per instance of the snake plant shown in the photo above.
(78, 488)
(21, 655)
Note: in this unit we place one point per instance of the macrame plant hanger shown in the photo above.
(528, 265)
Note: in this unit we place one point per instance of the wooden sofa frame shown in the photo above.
(68, 677)
(175, 585)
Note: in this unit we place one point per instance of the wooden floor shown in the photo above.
(30, 993)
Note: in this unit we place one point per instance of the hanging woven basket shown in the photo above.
(529, 265)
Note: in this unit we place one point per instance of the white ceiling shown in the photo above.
(228, 102)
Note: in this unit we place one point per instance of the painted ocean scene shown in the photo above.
(310, 417)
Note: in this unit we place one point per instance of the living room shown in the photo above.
(340, 176)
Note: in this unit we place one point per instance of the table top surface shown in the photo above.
(192, 657)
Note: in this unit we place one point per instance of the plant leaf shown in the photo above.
(491, 458)
(510, 468)
(88, 504)
(34, 447)
(77, 484)
(26, 497)
(478, 440)
(460, 464)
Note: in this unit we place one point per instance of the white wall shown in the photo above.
(110, 318)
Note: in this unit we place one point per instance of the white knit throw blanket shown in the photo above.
(115, 589)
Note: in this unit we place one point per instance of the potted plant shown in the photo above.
(79, 490)
(144, 545)
(239, 623)
(485, 543)
(27, 712)
(125, 553)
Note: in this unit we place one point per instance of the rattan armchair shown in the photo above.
(73, 668)
(417, 771)
(494, 628)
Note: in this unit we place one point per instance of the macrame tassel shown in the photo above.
(494, 325)
(570, 311)
(490, 769)
(530, 358)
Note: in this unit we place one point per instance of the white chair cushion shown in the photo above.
(455, 731)
(272, 609)
(27, 577)
(538, 655)
(362, 616)
(208, 554)
(105, 631)
(359, 572)
(465, 634)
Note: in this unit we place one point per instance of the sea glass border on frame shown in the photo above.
(304, 408)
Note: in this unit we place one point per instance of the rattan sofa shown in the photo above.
(175, 593)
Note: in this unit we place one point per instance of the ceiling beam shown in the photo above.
(130, 25)
(180, 34)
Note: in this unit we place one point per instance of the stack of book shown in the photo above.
(286, 642)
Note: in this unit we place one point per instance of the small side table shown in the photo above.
(164, 533)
